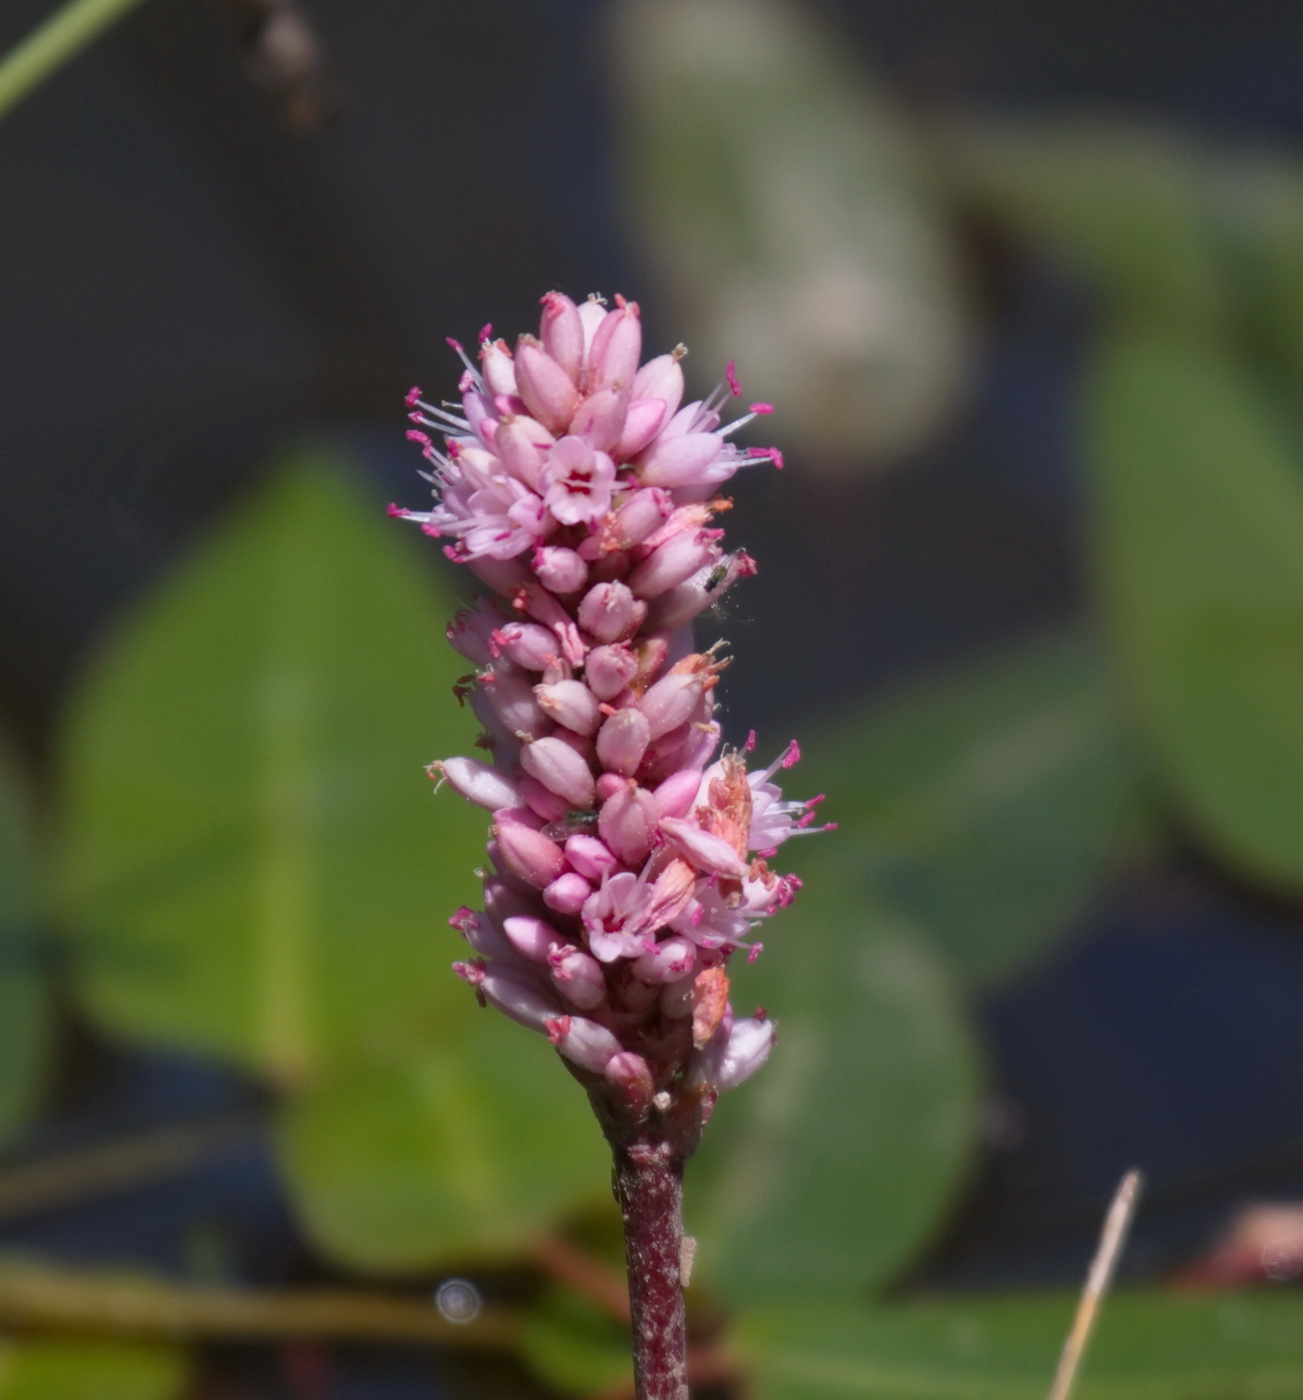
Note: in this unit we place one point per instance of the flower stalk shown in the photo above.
(628, 856)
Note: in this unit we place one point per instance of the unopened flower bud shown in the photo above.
(622, 741)
(568, 893)
(531, 937)
(609, 669)
(560, 570)
(498, 370)
(680, 461)
(669, 564)
(584, 1042)
(542, 800)
(617, 344)
(479, 783)
(671, 701)
(661, 378)
(522, 445)
(609, 612)
(631, 1075)
(599, 420)
(528, 645)
(745, 1050)
(520, 1000)
(529, 855)
(558, 767)
(590, 857)
(675, 796)
(562, 333)
(704, 849)
(642, 422)
(578, 977)
(548, 391)
(572, 704)
(627, 823)
(671, 960)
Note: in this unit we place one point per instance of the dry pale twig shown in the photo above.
(1116, 1224)
(46, 1298)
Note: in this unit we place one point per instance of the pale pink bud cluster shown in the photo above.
(629, 861)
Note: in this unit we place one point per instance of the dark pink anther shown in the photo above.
(731, 375)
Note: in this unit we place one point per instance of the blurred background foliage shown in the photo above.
(1031, 593)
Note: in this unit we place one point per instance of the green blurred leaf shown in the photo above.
(575, 1348)
(1150, 1346)
(986, 802)
(75, 1369)
(1200, 517)
(1259, 203)
(830, 1168)
(1129, 203)
(251, 852)
(24, 1019)
(785, 206)
(464, 1151)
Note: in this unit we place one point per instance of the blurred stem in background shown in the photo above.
(52, 44)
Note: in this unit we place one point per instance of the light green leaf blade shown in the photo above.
(47, 1368)
(832, 1166)
(24, 1009)
(252, 856)
(1127, 203)
(573, 1347)
(1200, 521)
(986, 802)
(466, 1151)
(1149, 1346)
(781, 199)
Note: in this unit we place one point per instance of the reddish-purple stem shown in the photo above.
(649, 1178)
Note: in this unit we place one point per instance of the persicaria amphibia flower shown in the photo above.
(629, 857)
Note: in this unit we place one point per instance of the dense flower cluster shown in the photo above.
(629, 863)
